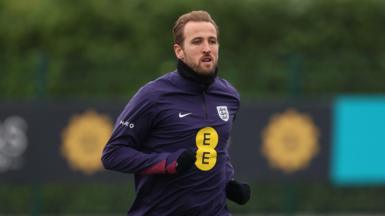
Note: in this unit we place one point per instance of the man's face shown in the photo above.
(200, 47)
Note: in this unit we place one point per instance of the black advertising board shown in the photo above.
(277, 141)
(62, 141)
(55, 141)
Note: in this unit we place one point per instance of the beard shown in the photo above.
(201, 69)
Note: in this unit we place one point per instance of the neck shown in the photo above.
(188, 73)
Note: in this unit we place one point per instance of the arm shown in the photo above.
(123, 150)
(229, 167)
(237, 192)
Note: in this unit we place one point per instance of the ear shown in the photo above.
(178, 51)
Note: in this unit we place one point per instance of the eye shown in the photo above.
(213, 41)
(196, 41)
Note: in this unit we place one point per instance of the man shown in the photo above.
(173, 134)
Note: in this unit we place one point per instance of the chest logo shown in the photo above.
(184, 115)
(206, 141)
(223, 112)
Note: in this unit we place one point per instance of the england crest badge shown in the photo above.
(223, 112)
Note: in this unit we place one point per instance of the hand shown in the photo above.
(185, 161)
(238, 192)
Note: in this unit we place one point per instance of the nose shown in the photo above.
(206, 47)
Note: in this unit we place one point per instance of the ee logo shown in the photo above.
(206, 140)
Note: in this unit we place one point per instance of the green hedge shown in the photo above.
(93, 198)
(269, 48)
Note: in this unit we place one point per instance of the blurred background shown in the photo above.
(309, 137)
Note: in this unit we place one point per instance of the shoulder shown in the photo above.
(151, 91)
(145, 99)
(223, 86)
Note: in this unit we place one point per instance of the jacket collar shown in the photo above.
(200, 82)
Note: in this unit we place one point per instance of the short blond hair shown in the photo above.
(193, 16)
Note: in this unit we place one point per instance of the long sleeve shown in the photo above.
(229, 167)
(123, 150)
(230, 173)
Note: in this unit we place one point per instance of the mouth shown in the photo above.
(206, 59)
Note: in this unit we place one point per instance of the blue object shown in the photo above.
(358, 151)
